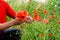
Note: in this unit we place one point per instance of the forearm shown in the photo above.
(8, 24)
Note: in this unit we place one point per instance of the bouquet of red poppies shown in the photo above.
(22, 15)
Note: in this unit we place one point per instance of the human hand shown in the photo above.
(17, 21)
(29, 19)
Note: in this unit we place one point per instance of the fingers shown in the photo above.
(29, 19)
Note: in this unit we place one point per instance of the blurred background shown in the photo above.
(53, 6)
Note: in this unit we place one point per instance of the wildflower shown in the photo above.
(59, 21)
(51, 34)
(20, 16)
(35, 12)
(52, 17)
(41, 35)
(45, 21)
(25, 12)
(36, 17)
(45, 12)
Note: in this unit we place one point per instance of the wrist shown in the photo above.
(15, 21)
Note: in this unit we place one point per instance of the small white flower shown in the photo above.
(55, 5)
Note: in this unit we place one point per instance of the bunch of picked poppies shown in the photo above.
(22, 15)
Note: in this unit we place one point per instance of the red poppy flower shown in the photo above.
(45, 21)
(45, 12)
(59, 21)
(36, 17)
(21, 16)
(52, 17)
(51, 35)
(35, 12)
(25, 12)
(41, 35)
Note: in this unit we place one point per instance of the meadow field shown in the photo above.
(46, 25)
